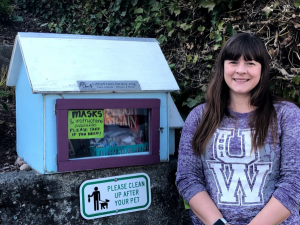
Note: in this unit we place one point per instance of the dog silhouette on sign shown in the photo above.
(104, 204)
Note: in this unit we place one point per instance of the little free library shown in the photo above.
(91, 102)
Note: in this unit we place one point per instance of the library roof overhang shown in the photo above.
(55, 62)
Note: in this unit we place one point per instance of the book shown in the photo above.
(122, 117)
(122, 127)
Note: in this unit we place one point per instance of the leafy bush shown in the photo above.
(174, 24)
(3, 91)
(190, 33)
(5, 10)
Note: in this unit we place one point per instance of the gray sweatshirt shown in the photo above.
(240, 183)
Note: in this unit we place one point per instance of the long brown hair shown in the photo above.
(251, 48)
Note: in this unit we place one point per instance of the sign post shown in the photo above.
(114, 195)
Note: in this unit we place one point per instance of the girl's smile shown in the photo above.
(241, 76)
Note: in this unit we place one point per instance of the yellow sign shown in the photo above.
(84, 124)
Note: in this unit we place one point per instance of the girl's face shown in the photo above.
(241, 76)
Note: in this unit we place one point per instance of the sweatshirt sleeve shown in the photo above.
(288, 187)
(189, 176)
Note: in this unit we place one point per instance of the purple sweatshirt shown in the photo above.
(240, 183)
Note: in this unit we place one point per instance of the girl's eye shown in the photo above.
(250, 63)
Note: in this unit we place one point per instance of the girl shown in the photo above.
(239, 159)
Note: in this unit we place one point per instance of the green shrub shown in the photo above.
(5, 10)
(190, 32)
(4, 93)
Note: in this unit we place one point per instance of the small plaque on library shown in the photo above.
(109, 85)
(114, 195)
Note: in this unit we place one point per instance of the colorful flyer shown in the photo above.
(85, 124)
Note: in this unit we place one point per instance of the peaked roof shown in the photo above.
(55, 62)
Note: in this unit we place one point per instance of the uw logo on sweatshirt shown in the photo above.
(239, 178)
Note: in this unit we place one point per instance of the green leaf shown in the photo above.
(188, 58)
(138, 11)
(107, 29)
(230, 30)
(285, 93)
(187, 77)
(134, 2)
(223, 41)
(208, 4)
(123, 13)
(116, 8)
(296, 79)
(3, 93)
(17, 18)
(199, 97)
(4, 107)
(218, 38)
(139, 19)
(177, 12)
(215, 47)
(186, 205)
(220, 25)
(195, 58)
(209, 66)
(293, 93)
(183, 67)
(192, 102)
(169, 24)
(201, 28)
(208, 57)
(155, 6)
(185, 26)
(172, 66)
(183, 84)
(218, 9)
(58, 29)
(171, 32)
(297, 3)
(147, 9)
(138, 25)
(162, 39)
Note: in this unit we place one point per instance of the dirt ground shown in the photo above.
(8, 154)
(8, 32)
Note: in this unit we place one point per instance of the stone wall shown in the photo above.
(27, 197)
